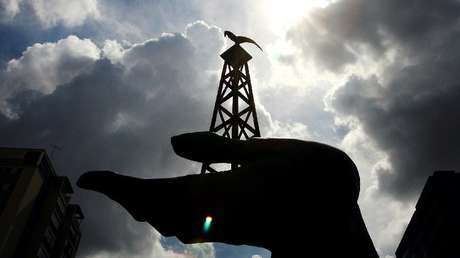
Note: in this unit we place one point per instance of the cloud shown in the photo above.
(74, 13)
(115, 106)
(157, 250)
(396, 94)
(9, 9)
(112, 115)
(206, 47)
(407, 106)
(43, 67)
(50, 13)
(344, 31)
(412, 118)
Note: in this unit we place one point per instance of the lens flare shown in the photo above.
(207, 224)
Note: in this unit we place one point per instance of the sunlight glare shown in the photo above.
(286, 13)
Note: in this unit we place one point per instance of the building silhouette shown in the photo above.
(433, 231)
(36, 218)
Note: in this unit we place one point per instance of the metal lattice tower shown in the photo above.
(234, 114)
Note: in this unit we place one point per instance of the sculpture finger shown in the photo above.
(209, 147)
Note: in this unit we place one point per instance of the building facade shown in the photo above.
(36, 217)
(434, 229)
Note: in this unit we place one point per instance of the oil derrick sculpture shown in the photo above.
(234, 114)
(289, 193)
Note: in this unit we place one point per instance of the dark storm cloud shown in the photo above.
(118, 115)
(413, 118)
(336, 35)
(411, 111)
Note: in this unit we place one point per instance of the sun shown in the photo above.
(285, 13)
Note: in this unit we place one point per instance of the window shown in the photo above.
(50, 237)
(42, 253)
(55, 220)
(61, 205)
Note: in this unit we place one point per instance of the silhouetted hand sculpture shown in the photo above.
(292, 197)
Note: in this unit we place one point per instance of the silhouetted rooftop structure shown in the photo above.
(433, 231)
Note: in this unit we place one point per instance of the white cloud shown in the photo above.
(113, 50)
(385, 217)
(69, 13)
(151, 246)
(206, 44)
(9, 9)
(204, 250)
(50, 13)
(43, 67)
(125, 101)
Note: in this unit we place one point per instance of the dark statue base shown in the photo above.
(295, 198)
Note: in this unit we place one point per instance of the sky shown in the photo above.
(110, 82)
